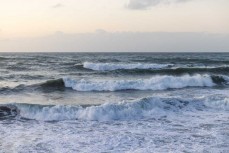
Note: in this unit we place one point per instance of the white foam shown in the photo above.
(137, 109)
(191, 131)
(217, 101)
(116, 66)
(154, 83)
(133, 110)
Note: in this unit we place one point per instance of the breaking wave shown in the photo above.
(118, 66)
(160, 82)
(151, 107)
(154, 83)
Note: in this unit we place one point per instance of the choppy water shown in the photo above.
(114, 102)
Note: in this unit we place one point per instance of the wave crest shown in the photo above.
(160, 82)
(146, 107)
(150, 107)
(154, 83)
(118, 66)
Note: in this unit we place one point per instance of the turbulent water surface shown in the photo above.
(114, 102)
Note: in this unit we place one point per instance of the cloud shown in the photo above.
(145, 4)
(58, 5)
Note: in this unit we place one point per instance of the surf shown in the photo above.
(147, 107)
(160, 82)
(125, 66)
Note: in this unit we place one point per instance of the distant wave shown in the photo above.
(3, 58)
(118, 66)
(137, 109)
(20, 87)
(49, 85)
(175, 71)
(143, 68)
(154, 83)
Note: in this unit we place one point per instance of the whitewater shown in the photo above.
(116, 102)
(154, 83)
(116, 66)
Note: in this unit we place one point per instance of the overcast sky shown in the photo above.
(114, 25)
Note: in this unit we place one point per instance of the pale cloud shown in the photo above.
(145, 4)
(58, 5)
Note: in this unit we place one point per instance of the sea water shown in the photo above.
(114, 102)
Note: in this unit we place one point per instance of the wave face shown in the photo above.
(119, 66)
(154, 83)
(135, 110)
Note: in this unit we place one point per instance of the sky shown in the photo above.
(114, 25)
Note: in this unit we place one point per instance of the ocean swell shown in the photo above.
(174, 71)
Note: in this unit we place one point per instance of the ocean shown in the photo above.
(114, 102)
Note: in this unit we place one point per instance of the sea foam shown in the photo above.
(137, 109)
(116, 66)
(149, 107)
(153, 83)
